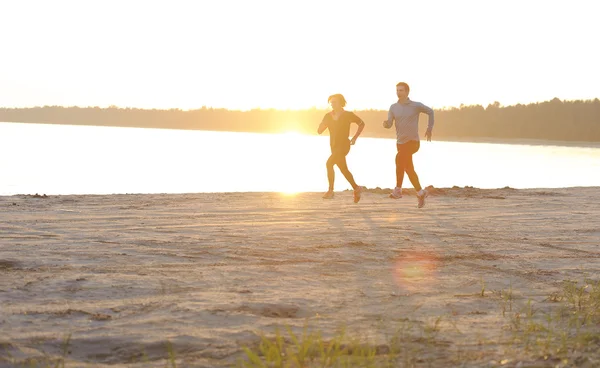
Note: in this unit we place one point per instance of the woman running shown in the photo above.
(338, 122)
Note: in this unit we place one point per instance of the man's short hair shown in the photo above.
(406, 87)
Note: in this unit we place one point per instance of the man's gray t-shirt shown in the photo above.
(406, 116)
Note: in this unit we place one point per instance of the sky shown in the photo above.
(293, 54)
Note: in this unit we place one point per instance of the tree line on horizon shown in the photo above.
(577, 120)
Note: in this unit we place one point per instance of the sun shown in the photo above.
(289, 157)
(289, 193)
(292, 133)
(293, 138)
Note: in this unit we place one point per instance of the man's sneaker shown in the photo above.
(357, 193)
(328, 195)
(396, 193)
(421, 197)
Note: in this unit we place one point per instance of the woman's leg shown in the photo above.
(340, 160)
(343, 166)
(330, 173)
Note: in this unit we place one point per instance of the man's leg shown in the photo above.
(400, 162)
(411, 148)
(400, 168)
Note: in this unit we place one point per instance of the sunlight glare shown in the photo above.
(292, 133)
(415, 270)
(289, 193)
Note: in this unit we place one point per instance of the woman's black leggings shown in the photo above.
(338, 157)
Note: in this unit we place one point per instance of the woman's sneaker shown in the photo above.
(357, 193)
(396, 193)
(328, 195)
(421, 197)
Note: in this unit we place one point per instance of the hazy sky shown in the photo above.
(294, 53)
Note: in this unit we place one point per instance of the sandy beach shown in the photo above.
(129, 279)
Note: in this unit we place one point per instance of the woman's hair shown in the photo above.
(338, 95)
(406, 87)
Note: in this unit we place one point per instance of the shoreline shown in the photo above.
(432, 191)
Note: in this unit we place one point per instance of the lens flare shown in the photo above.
(415, 270)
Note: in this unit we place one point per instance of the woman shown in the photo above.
(338, 122)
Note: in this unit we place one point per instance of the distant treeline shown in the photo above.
(551, 120)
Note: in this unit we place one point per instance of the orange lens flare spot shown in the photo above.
(414, 270)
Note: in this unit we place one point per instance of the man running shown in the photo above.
(405, 113)
(338, 122)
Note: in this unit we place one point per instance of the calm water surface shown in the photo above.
(64, 159)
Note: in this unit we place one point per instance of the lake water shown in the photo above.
(65, 159)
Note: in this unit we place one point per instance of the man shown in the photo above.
(405, 113)
(338, 122)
